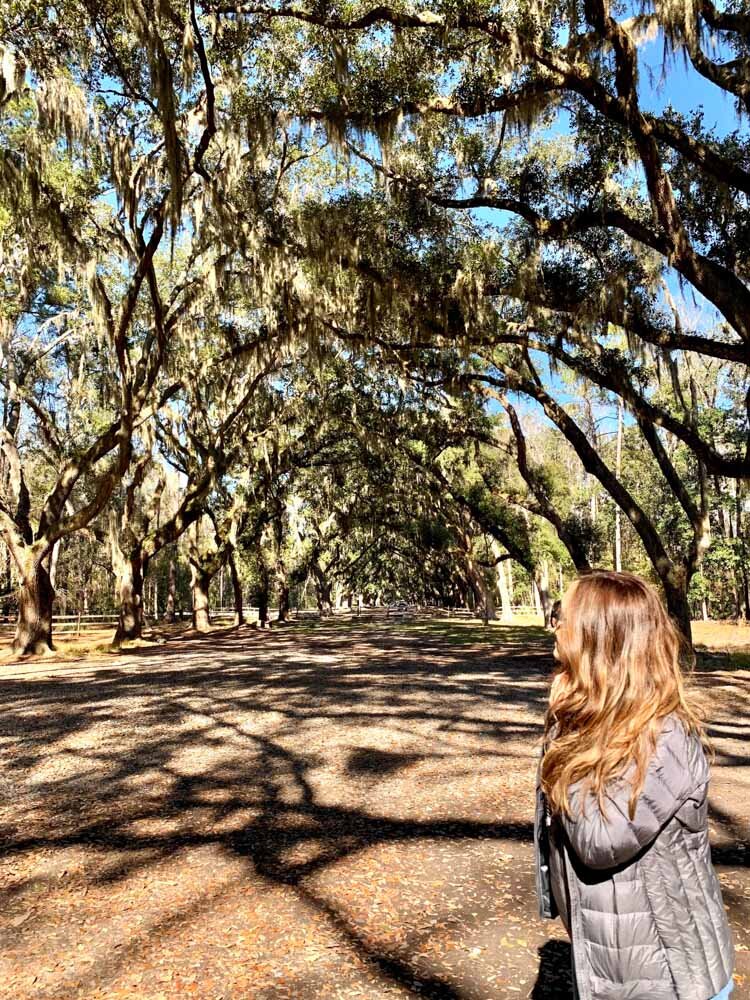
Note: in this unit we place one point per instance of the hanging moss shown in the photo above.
(12, 73)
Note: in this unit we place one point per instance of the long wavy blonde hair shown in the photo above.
(618, 676)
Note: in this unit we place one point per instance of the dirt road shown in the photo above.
(318, 812)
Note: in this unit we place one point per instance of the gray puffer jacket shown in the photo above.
(640, 898)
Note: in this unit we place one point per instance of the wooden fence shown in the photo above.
(79, 622)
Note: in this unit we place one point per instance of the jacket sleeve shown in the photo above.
(545, 897)
(609, 839)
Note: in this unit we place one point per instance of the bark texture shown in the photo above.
(199, 584)
(35, 599)
(239, 614)
(130, 577)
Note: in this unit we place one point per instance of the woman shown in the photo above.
(622, 804)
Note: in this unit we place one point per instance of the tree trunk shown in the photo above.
(745, 589)
(535, 596)
(741, 530)
(322, 591)
(199, 584)
(488, 597)
(541, 581)
(618, 471)
(738, 506)
(325, 604)
(675, 586)
(736, 598)
(35, 599)
(484, 596)
(506, 604)
(239, 614)
(171, 591)
(282, 590)
(283, 602)
(7, 579)
(263, 608)
(130, 599)
(506, 607)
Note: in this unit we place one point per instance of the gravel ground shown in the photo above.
(333, 812)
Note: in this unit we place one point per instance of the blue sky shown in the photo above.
(683, 88)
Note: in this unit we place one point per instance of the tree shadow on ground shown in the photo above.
(222, 743)
(554, 980)
(205, 743)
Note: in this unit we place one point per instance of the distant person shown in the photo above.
(621, 830)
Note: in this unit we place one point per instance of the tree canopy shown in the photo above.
(377, 300)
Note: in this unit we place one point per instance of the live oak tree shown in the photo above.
(462, 81)
(104, 159)
(464, 109)
(420, 211)
(128, 527)
(131, 147)
(210, 544)
(210, 434)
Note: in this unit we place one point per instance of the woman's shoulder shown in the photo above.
(673, 729)
(680, 749)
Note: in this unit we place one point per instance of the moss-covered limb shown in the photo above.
(608, 370)
(52, 522)
(703, 155)
(217, 440)
(19, 516)
(558, 305)
(210, 128)
(725, 289)
(12, 536)
(482, 514)
(545, 506)
(629, 315)
(726, 20)
(672, 574)
(666, 222)
(592, 460)
(733, 76)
